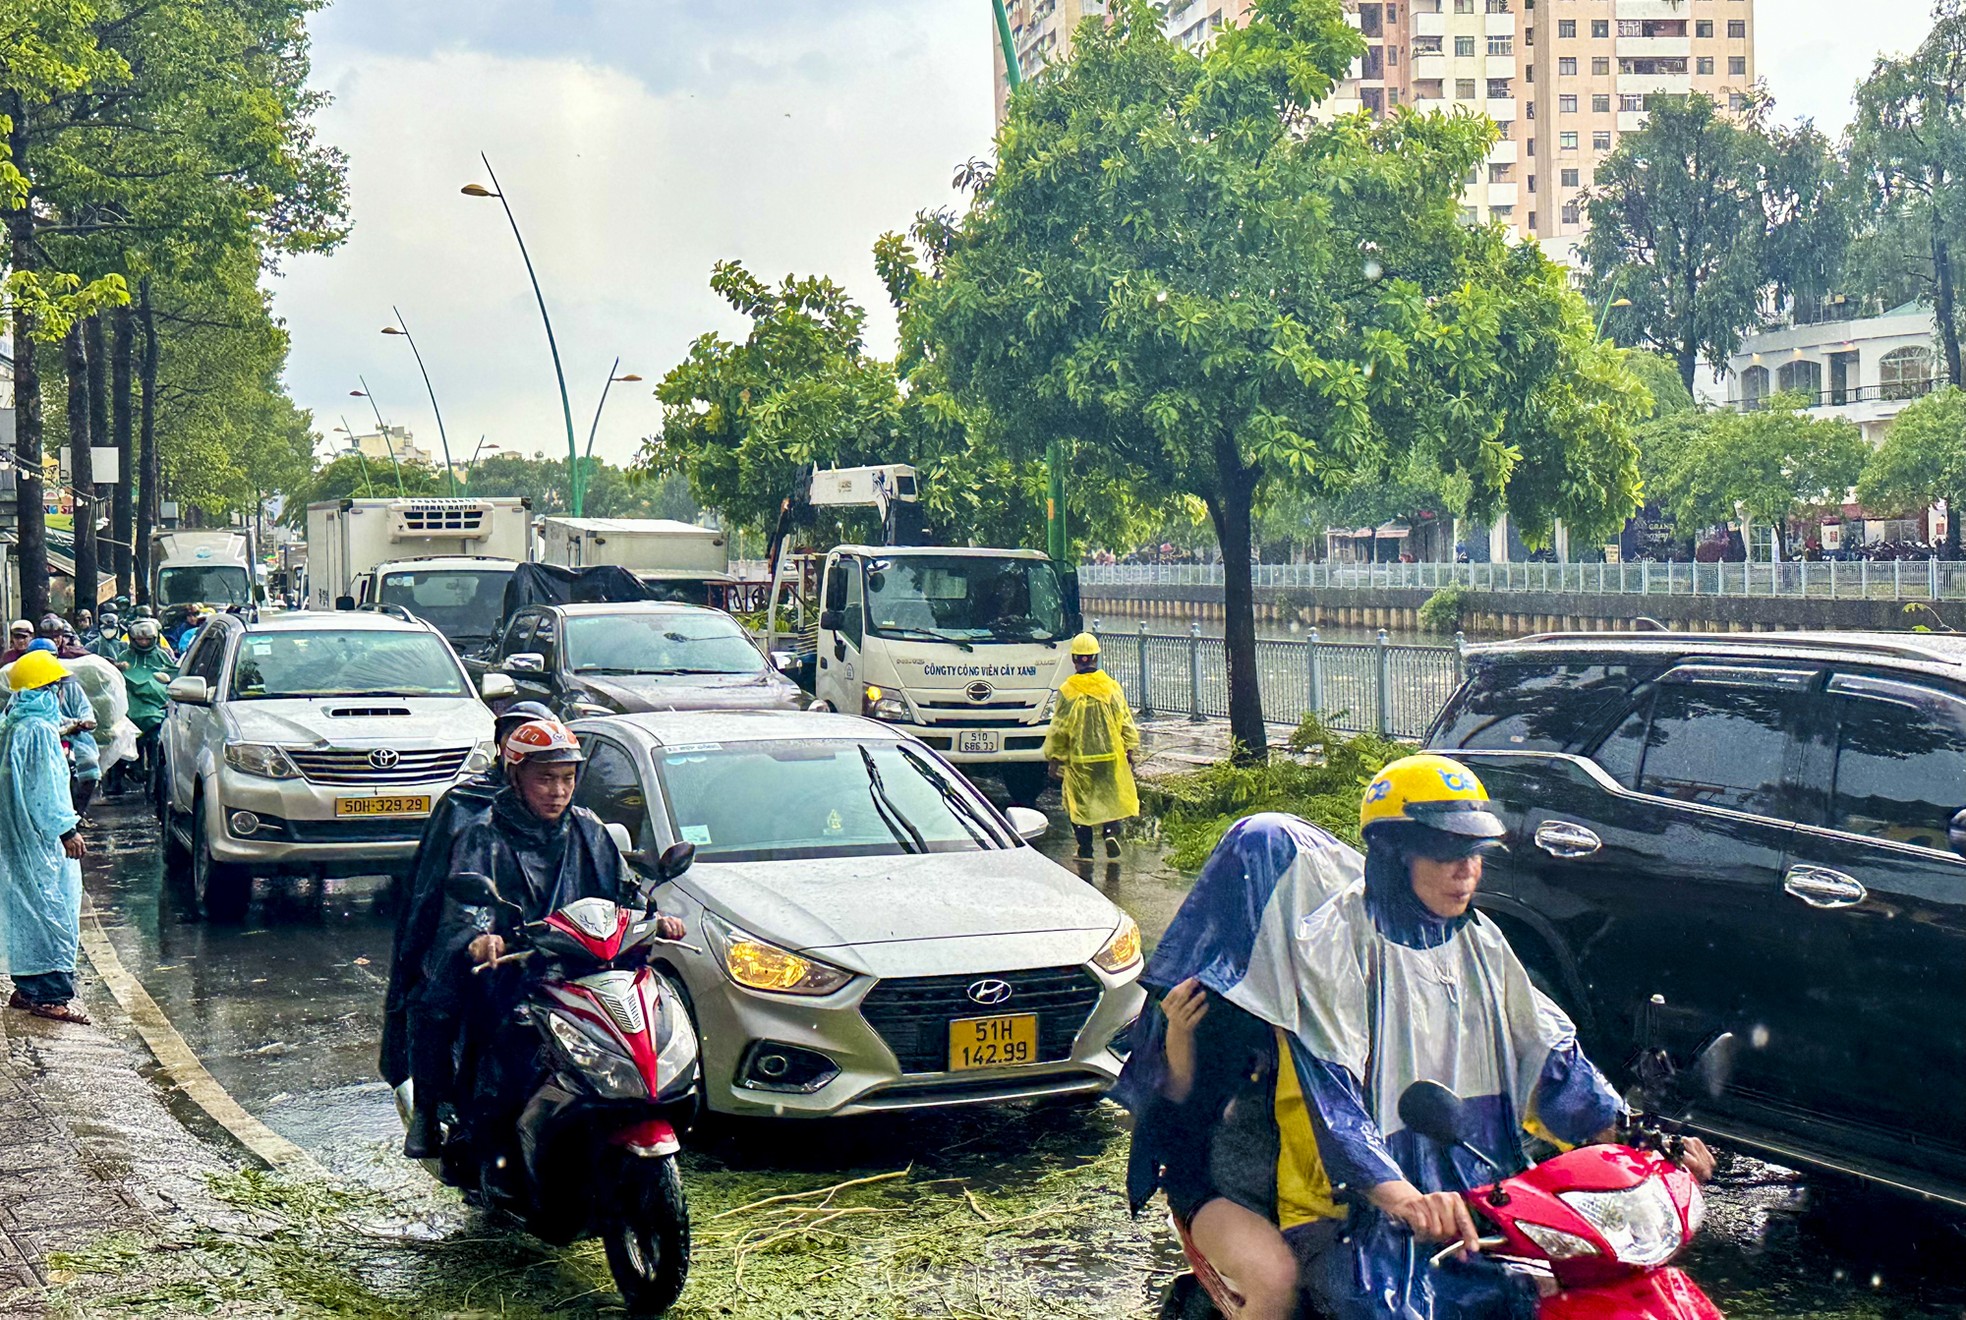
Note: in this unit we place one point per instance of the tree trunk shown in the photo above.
(122, 519)
(1689, 362)
(1230, 511)
(75, 362)
(1946, 304)
(150, 501)
(24, 258)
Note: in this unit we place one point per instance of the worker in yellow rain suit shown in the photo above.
(1091, 747)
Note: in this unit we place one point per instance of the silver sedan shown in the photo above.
(874, 934)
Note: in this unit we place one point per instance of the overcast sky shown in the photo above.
(640, 141)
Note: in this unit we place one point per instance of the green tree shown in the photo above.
(1921, 461)
(1661, 380)
(1773, 464)
(1214, 294)
(350, 476)
(1700, 217)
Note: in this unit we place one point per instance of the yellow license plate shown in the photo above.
(993, 1042)
(383, 806)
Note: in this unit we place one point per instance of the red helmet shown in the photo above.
(543, 742)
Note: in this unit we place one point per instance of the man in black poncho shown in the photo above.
(422, 1047)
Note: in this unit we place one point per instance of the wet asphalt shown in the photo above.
(284, 1010)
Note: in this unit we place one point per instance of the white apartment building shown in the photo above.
(1865, 370)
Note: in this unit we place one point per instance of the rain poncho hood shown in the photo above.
(1091, 733)
(40, 885)
(146, 678)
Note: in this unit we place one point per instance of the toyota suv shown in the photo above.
(1766, 833)
(312, 744)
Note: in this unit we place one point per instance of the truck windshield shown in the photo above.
(678, 643)
(345, 664)
(207, 584)
(964, 598)
(827, 800)
(464, 604)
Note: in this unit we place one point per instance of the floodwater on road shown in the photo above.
(1006, 1211)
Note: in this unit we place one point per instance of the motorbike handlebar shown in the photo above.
(1440, 1257)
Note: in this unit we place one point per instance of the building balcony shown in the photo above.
(1630, 121)
(1650, 84)
(1502, 194)
(1504, 152)
(1501, 110)
(1499, 66)
(1644, 9)
(1655, 47)
(1429, 25)
(1429, 68)
(1499, 25)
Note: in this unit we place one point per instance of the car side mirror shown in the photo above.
(497, 687)
(675, 860)
(470, 889)
(525, 662)
(831, 620)
(1435, 1112)
(1957, 833)
(784, 661)
(1029, 822)
(344, 602)
(192, 691)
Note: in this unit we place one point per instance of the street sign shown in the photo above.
(105, 470)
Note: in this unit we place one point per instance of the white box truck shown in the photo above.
(190, 567)
(446, 561)
(660, 551)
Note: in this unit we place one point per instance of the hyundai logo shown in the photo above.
(384, 758)
(979, 691)
(989, 992)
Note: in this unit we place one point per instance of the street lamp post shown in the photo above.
(566, 408)
(381, 429)
(595, 429)
(368, 486)
(1054, 450)
(472, 466)
(402, 328)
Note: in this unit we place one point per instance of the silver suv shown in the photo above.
(312, 744)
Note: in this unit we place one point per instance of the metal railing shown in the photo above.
(1862, 579)
(1370, 687)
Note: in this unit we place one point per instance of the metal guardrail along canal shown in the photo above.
(1357, 687)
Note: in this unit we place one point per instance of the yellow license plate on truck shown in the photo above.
(993, 1042)
(383, 806)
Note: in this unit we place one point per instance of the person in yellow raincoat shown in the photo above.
(1091, 746)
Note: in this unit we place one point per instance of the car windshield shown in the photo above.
(345, 664)
(964, 598)
(828, 798)
(464, 604)
(681, 642)
(209, 584)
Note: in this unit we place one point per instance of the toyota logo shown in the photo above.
(979, 691)
(384, 758)
(989, 993)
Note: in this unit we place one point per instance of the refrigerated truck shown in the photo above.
(192, 567)
(442, 560)
(660, 551)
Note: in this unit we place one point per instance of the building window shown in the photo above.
(1392, 13)
(1704, 64)
(1601, 65)
(1572, 213)
(1566, 104)
(1464, 6)
(1532, 219)
(1600, 27)
(1737, 101)
(1426, 45)
(1392, 55)
(1802, 376)
(1532, 146)
(1754, 386)
(1529, 73)
(1464, 89)
(1601, 140)
(1566, 67)
(1532, 183)
(1601, 103)
(1631, 103)
(1569, 179)
(1566, 141)
(1905, 373)
(1703, 27)
(1501, 45)
(1470, 216)
(1498, 173)
(1464, 47)
(1737, 64)
(1499, 89)
(1566, 27)
(1737, 29)
(1392, 96)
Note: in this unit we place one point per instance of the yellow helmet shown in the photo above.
(36, 669)
(1434, 791)
(1085, 644)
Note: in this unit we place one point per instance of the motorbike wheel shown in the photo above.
(648, 1247)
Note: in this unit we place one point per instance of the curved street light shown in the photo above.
(382, 429)
(566, 408)
(368, 486)
(595, 429)
(402, 328)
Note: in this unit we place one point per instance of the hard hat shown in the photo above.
(1433, 791)
(1085, 644)
(543, 742)
(36, 669)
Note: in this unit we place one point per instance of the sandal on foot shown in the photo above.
(61, 1013)
(20, 1001)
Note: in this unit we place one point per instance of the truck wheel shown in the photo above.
(223, 890)
(648, 1245)
(1024, 782)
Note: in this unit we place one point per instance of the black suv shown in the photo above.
(1766, 831)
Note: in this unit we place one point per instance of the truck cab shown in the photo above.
(461, 596)
(962, 648)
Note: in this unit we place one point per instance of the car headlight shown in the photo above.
(481, 758)
(262, 759)
(613, 1076)
(581, 708)
(880, 704)
(1050, 708)
(1641, 1223)
(759, 964)
(1122, 950)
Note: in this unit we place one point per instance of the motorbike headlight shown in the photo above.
(612, 1076)
(481, 758)
(759, 964)
(1641, 1223)
(880, 704)
(262, 759)
(1122, 950)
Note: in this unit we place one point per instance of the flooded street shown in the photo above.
(1002, 1212)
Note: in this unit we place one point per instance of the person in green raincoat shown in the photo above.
(148, 669)
(1091, 746)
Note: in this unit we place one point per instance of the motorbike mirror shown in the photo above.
(623, 841)
(1435, 1112)
(1957, 833)
(675, 860)
(469, 889)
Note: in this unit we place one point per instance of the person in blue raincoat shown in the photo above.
(78, 723)
(1220, 1123)
(1404, 981)
(40, 845)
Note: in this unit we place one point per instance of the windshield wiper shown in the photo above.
(964, 810)
(884, 808)
(928, 634)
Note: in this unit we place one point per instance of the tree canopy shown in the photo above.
(1773, 464)
(1921, 461)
